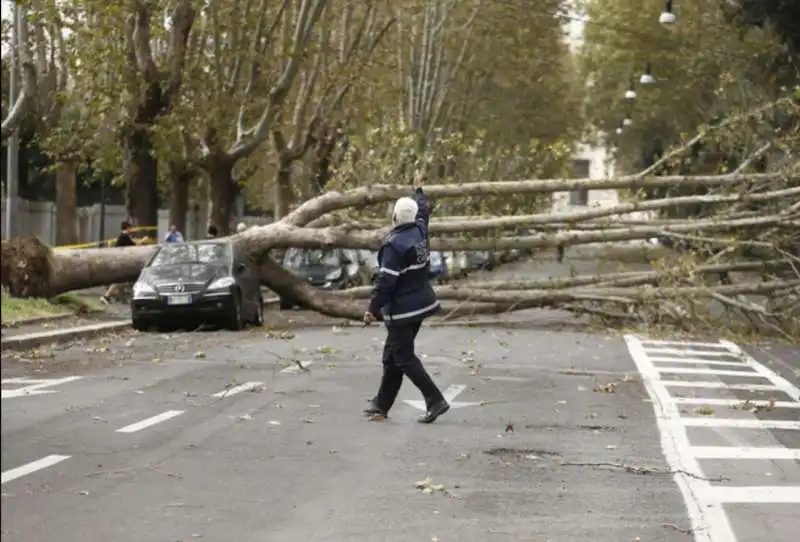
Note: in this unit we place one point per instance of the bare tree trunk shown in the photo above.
(222, 192)
(180, 177)
(283, 189)
(140, 172)
(66, 203)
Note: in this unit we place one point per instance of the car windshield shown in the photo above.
(297, 258)
(177, 254)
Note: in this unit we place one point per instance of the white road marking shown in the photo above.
(735, 452)
(753, 495)
(646, 342)
(697, 361)
(247, 386)
(690, 353)
(751, 423)
(735, 402)
(718, 385)
(693, 371)
(144, 424)
(705, 501)
(295, 369)
(39, 464)
(449, 394)
(34, 387)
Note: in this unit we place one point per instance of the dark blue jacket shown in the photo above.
(403, 293)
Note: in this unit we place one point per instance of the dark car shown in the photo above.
(331, 269)
(199, 282)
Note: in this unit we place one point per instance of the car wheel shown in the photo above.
(286, 304)
(140, 325)
(234, 321)
(259, 318)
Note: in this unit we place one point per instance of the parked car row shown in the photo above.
(184, 285)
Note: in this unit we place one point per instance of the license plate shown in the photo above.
(183, 299)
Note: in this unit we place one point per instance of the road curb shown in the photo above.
(37, 320)
(32, 340)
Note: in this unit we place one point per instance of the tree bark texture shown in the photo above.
(283, 189)
(66, 203)
(222, 193)
(180, 178)
(140, 173)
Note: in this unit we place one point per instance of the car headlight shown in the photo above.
(220, 284)
(334, 275)
(142, 289)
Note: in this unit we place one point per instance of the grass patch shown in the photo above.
(14, 308)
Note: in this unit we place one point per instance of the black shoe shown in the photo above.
(374, 410)
(436, 410)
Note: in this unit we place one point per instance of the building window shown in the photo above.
(579, 197)
(580, 170)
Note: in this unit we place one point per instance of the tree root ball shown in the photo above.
(27, 267)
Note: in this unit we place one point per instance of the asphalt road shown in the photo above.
(220, 436)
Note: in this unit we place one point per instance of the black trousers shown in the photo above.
(399, 359)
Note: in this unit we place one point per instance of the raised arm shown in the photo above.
(423, 210)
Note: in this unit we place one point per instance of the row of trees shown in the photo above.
(326, 101)
(276, 99)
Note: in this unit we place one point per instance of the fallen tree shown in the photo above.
(761, 245)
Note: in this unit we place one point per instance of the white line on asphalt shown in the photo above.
(697, 361)
(786, 386)
(646, 342)
(684, 353)
(452, 392)
(247, 386)
(735, 452)
(693, 371)
(144, 424)
(718, 385)
(35, 387)
(751, 423)
(753, 494)
(39, 464)
(708, 520)
(736, 402)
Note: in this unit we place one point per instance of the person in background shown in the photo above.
(174, 235)
(123, 240)
(403, 297)
(212, 232)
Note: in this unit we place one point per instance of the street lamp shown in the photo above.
(630, 94)
(667, 17)
(647, 76)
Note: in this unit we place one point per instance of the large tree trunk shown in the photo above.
(222, 193)
(180, 177)
(140, 172)
(283, 189)
(66, 203)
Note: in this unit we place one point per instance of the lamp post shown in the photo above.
(12, 156)
(667, 18)
(647, 76)
(630, 94)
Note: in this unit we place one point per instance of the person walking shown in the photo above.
(174, 235)
(123, 240)
(403, 297)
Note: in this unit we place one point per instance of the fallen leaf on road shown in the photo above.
(427, 486)
(581, 388)
(274, 422)
(325, 350)
(245, 417)
(331, 366)
(156, 360)
(611, 447)
(611, 387)
(199, 354)
(704, 410)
